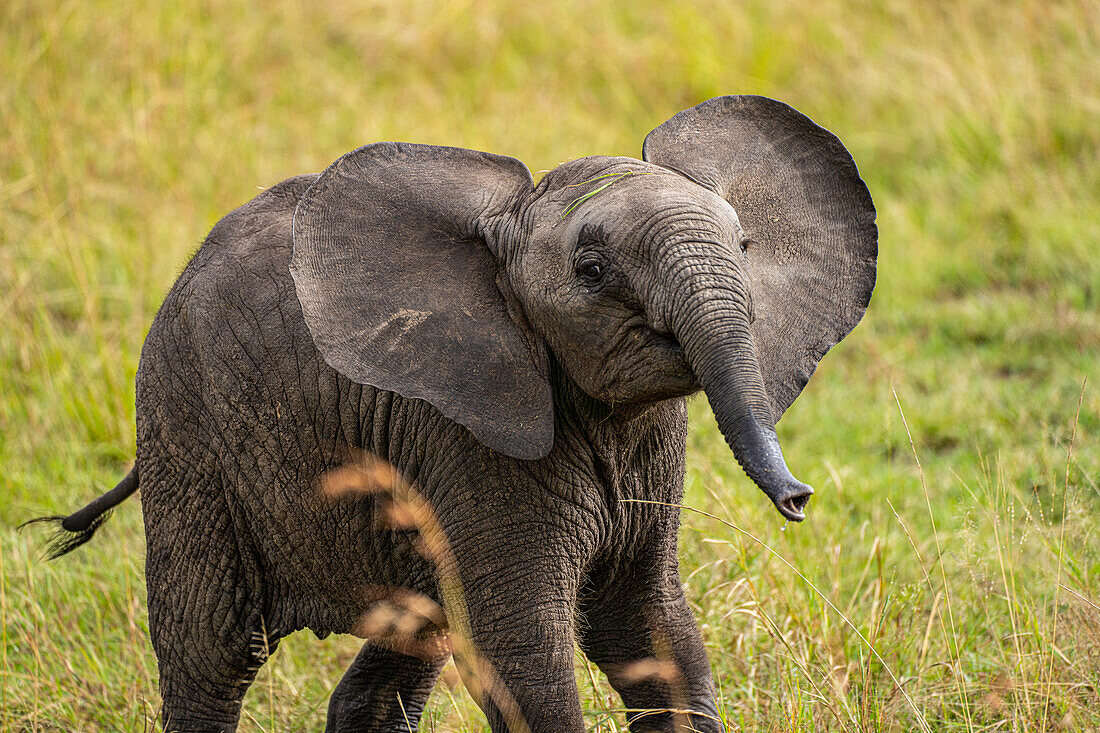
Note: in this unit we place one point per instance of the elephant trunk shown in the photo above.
(711, 321)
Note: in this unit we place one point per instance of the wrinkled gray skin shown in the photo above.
(520, 353)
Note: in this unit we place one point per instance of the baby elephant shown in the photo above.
(518, 355)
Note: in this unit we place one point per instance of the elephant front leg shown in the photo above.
(642, 635)
(519, 600)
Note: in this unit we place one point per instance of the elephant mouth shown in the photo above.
(663, 341)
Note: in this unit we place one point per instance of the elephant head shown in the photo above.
(730, 258)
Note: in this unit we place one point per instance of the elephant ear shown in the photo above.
(393, 263)
(809, 219)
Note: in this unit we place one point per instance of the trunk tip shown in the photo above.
(792, 499)
(761, 457)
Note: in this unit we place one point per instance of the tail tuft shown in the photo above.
(74, 530)
(64, 540)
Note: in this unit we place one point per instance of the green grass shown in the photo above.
(973, 580)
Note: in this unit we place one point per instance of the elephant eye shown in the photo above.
(590, 271)
(746, 242)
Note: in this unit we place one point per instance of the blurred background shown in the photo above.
(949, 575)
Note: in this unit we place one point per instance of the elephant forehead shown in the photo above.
(656, 213)
(627, 197)
(585, 180)
(679, 196)
(573, 172)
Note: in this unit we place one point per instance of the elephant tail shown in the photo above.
(77, 528)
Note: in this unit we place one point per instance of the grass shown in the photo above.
(960, 593)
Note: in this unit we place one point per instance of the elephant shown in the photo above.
(518, 353)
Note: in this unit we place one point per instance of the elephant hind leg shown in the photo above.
(199, 697)
(206, 617)
(208, 653)
(382, 690)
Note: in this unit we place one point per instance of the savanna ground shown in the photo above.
(960, 593)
